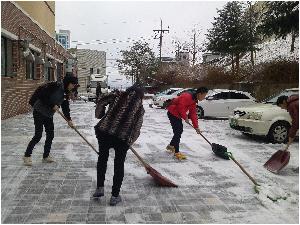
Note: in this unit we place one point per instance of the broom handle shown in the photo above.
(139, 157)
(200, 134)
(245, 172)
(233, 159)
(63, 116)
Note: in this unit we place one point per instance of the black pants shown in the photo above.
(177, 127)
(105, 143)
(40, 121)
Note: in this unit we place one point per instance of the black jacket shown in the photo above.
(48, 96)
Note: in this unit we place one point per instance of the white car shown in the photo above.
(165, 92)
(161, 99)
(221, 102)
(264, 119)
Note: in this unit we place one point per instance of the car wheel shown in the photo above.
(279, 132)
(200, 112)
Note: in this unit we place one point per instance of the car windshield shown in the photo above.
(273, 99)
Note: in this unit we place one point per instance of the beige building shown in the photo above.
(42, 12)
(89, 62)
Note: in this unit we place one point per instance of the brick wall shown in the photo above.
(16, 90)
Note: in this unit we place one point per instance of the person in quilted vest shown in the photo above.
(177, 111)
(118, 128)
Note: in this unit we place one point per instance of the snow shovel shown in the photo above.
(160, 179)
(278, 161)
(219, 150)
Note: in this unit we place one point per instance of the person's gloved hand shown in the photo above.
(70, 123)
(55, 108)
(198, 130)
(187, 120)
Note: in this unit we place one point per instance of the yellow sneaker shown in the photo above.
(27, 161)
(48, 159)
(170, 148)
(179, 156)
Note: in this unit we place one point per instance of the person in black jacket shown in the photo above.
(98, 91)
(45, 101)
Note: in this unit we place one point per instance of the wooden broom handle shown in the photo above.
(140, 158)
(245, 172)
(63, 116)
(200, 134)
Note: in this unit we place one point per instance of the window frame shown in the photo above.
(31, 76)
(7, 56)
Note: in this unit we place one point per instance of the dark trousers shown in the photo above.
(40, 121)
(177, 127)
(105, 143)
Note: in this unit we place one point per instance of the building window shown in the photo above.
(30, 70)
(91, 70)
(6, 57)
(98, 71)
(49, 72)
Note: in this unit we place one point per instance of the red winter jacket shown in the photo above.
(181, 105)
(293, 109)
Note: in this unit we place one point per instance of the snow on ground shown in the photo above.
(249, 152)
(211, 190)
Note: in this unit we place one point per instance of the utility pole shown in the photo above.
(194, 49)
(161, 31)
(178, 47)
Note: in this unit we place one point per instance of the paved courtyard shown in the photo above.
(211, 190)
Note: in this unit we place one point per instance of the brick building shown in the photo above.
(30, 54)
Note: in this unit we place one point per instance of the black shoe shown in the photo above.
(115, 200)
(99, 192)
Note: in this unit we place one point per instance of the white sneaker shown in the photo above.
(27, 161)
(48, 159)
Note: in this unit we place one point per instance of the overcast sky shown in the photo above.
(128, 21)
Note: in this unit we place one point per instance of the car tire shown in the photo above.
(200, 112)
(278, 132)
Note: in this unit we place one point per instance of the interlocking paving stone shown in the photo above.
(61, 192)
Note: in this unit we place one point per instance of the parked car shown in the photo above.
(221, 102)
(160, 101)
(264, 119)
(165, 92)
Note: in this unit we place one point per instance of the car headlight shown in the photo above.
(254, 116)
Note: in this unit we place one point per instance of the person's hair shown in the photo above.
(202, 90)
(70, 79)
(280, 99)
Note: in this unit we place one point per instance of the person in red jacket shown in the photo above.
(177, 110)
(291, 104)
